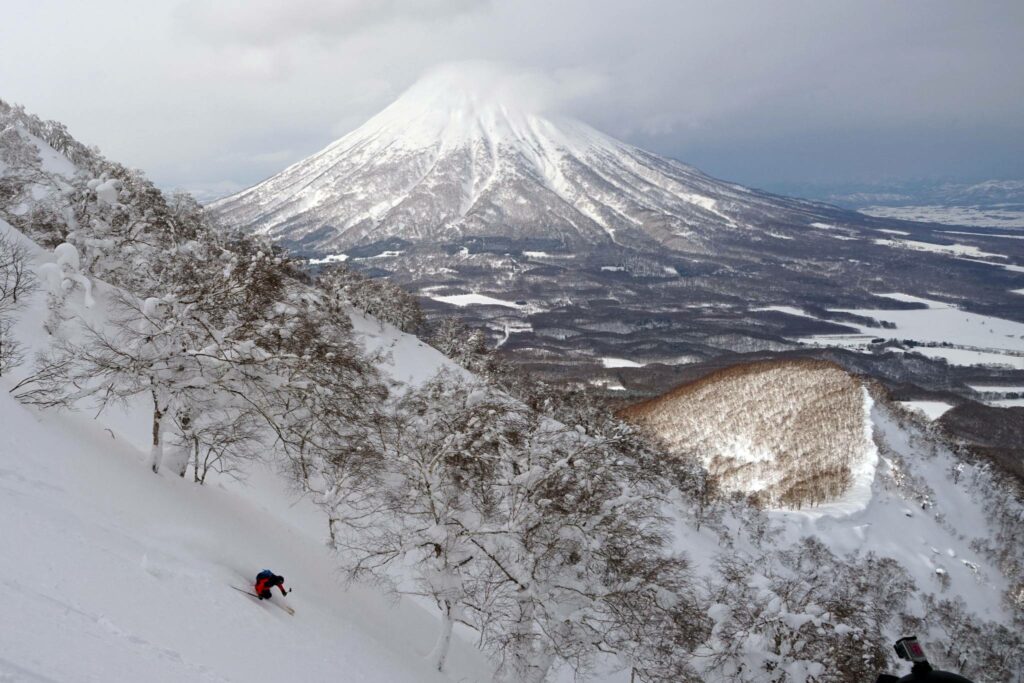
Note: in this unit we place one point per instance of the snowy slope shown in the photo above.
(455, 155)
(127, 574)
(913, 513)
(901, 500)
(116, 574)
(112, 573)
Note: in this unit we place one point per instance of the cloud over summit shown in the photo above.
(204, 94)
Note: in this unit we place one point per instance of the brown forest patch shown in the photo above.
(788, 431)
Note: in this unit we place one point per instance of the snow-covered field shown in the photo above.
(998, 389)
(974, 339)
(620, 363)
(933, 410)
(951, 215)
(1005, 266)
(971, 357)
(789, 310)
(544, 254)
(474, 300)
(1006, 396)
(330, 258)
(607, 384)
(950, 249)
(942, 322)
(983, 234)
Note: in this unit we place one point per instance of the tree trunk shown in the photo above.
(156, 452)
(531, 662)
(184, 456)
(440, 652)
(195, 465)
(330, 530)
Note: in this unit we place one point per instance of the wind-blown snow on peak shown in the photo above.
(466, 152)
(471, 104)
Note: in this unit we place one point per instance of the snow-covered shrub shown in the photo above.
(466, 346)
(379, 297)
(803, 614)
(959, 641)
(60, 278)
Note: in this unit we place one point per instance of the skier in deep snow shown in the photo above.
(266, 580)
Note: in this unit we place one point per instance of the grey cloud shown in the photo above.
(217, 94)
(270, 22)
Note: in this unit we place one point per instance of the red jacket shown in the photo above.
(265, 584)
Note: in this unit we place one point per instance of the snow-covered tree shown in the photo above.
(20, 162)
(217, 439)
(544, 539)
(439, 446)
(328, 392)
(378, 297)
(16, 276)
(149, 349)
(959, 641)
(801, 613)
(16, 281)
(466, 346)
(587, 570)
(60, 278)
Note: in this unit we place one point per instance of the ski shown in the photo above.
(242, 590)
(286, 608)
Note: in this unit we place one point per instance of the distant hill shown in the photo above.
(791, 433)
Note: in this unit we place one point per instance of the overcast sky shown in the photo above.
(215, 95)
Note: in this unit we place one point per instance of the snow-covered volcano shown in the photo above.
(457, 155)
(572, 247)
